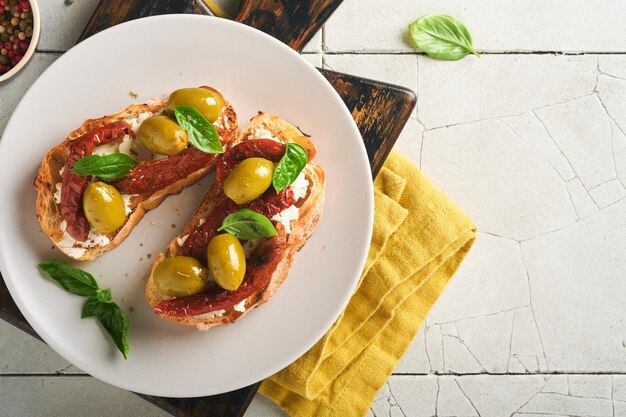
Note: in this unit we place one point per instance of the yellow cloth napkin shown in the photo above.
(418, 242)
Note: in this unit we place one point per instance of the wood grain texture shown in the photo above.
(229, 404)
(10, 313)
(112, 12)
(380, 111)
(293, 22)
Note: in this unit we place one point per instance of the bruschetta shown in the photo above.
(238, 247)
(95, 186)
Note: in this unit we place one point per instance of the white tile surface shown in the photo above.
(581, 199)
(579, 292)
(533, 131)
(394, 69)
(476, 289)
(619, 151)
(557, 384)
(526, 351)
(608, 193)
(488, 396)
(619, 388)
(535, 153)
(369, 25)
(414, 396)
(62, 24)
(451, 401)
(21, 353)
(486, 393)
(568, 405)
(611, 91)
(613, 65)
(485, 161)
(315, 59)
(12, 91)
(496, 25)
(409, 143)
(593, 386)
(83, 396)
(315, 44)
(488, 338)
(581, 129)
(415, 359)
(499, 85)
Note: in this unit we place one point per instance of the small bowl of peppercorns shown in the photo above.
(19, 34)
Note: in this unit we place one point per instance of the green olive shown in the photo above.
(206, 101)
(104, 207)
(180, 276)
(249, 180)
(160, 134)
(226, 261)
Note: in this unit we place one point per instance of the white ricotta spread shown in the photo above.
(300, 186)
(62, 170)
(201, 221)
(262, 134)
(135, 122)
(127, 198)
(128, 145)
(211, 314)
(106, 149)
(286, 216)
(181, 240)
(241, 307)
(208, 316)
(57, 193)
(94, 239)
(68, 243)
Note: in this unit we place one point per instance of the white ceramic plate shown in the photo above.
(155, 56)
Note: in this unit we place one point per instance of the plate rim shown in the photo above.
(296, 353)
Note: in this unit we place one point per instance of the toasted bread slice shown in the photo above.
(310, 209)
(49, 178)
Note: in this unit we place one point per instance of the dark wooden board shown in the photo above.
(111, 12)
(380, 110)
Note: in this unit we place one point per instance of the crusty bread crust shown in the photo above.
(310, 210)
(48, 211)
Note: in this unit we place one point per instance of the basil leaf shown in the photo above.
(201, 132)
(442, 37)
(290, 166)
(247, 224)
(99, 304)
(104, 296)
(112, 318)
(109, 167)
(72, 279)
